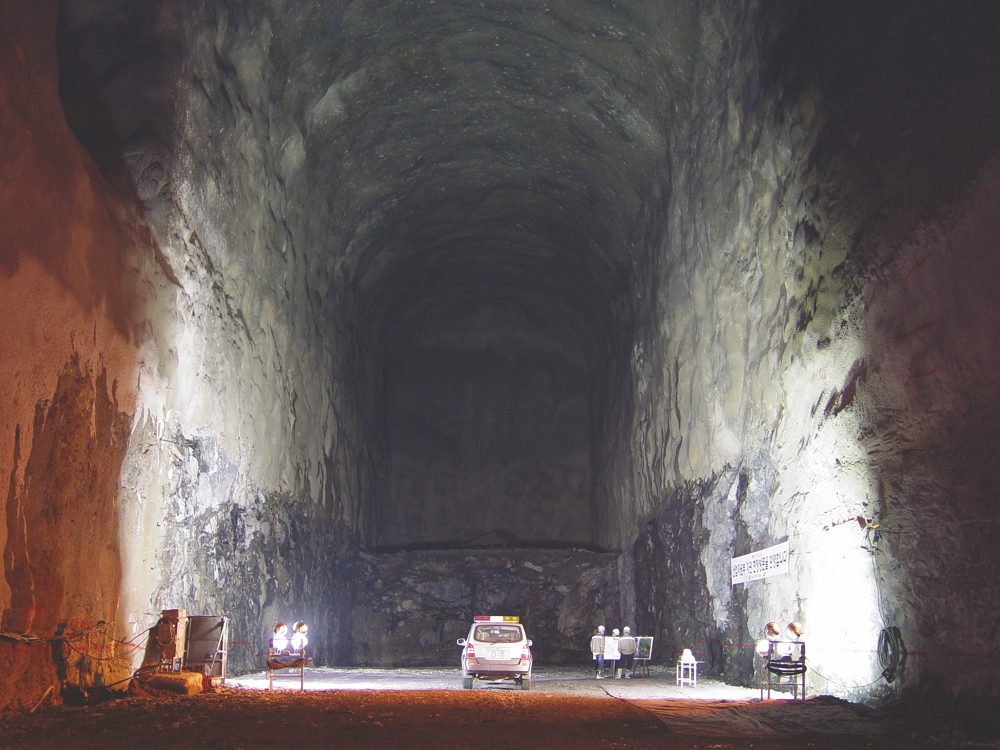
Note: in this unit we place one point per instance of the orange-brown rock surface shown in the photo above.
(68, 374)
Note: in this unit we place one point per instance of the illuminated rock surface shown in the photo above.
(427, 283)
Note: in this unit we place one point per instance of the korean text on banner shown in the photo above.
(764, 563)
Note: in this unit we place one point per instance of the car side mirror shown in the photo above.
(460, 641)
(529, 643)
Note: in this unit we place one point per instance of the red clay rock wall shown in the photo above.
(68, 378)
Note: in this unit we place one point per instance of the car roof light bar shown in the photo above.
(497, 618)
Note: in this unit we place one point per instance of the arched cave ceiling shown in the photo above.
(451, 148)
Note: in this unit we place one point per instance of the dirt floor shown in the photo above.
(240, 718)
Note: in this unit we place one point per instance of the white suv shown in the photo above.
(496, 649)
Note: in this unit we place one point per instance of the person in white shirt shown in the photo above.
(597, 649)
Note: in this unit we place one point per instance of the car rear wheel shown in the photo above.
(525, 683)
(467, 683)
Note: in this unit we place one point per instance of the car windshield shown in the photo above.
(497, 633)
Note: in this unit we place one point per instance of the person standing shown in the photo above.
(597, 649)
(626, 645)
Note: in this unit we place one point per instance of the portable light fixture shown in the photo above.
(794, 630)
(772, 631)
(299, 639)
(283, 661)
(279, 636)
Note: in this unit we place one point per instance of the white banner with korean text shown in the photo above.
(764, 563)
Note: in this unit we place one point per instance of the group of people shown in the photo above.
(614, 647)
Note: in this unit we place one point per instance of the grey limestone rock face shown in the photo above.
(665, 281)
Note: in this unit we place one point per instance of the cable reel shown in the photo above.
(891, 653)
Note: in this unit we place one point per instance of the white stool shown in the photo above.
(687, 669)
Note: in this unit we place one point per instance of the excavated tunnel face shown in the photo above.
(518, 148)
(488, 414)
(494, 345)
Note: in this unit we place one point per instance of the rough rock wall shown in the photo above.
(674, 553)
(921, 202)
(412, 606)
(68, 383)
(809, 348)
(716, 306)
(927, 403)
(244, 473)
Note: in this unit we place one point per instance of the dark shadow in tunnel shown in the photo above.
(493, 359)
(118, 72)
(489, 317)
(488, 416)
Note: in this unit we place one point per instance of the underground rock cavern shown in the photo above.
(392, 313)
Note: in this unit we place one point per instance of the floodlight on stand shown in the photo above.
(299, 639)
(763, 648)
(772, 631)
(795, 630)
(279, 636)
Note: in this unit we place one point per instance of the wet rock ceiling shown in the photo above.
(384, 314)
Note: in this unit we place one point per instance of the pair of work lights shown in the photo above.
(793, 632)
(280, 640)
